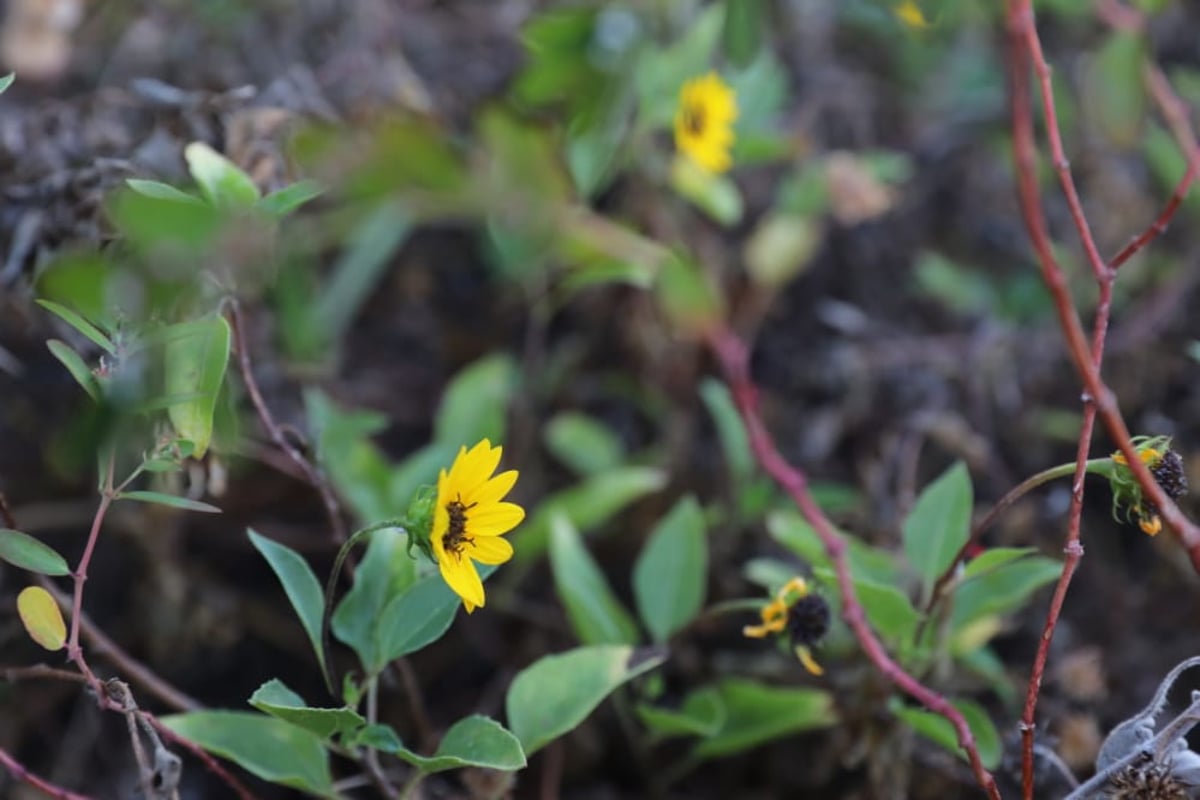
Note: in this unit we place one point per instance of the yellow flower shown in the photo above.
(797, 611)
(469, 519)
(704, 122)
(911, 15)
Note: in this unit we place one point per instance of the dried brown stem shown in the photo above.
(312, 475)
(732, 354)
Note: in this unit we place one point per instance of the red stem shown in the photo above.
(733, 357)
(25, 776)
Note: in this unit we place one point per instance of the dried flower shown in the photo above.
(803, 616)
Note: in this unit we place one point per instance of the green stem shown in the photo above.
(331, 586)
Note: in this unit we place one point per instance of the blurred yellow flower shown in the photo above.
(704, 122)
(911, 15)
(469, 519)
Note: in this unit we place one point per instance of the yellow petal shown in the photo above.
(492, 491)
(42, 618)
(806, 658)
(494, 519)
(475, 467)
(490, 550)
(461, 577)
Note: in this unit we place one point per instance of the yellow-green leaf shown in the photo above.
(196, 356)
(42, 618)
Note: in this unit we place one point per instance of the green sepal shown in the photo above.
(420, 521)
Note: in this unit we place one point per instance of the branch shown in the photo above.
(25, 776)
(731, 352)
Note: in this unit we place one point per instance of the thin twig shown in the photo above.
(732, 354)
(25, 776)
(313, 475)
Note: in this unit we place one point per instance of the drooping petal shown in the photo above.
(460, 575)
(492, 491)
(491, 550)
(495, 519)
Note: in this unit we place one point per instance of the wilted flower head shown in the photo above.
(1167, 468)
(798, 613)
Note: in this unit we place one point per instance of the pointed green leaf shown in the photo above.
(1001, 590)
(939, 524)
(587, 504)
(420, 616)
(284, 201)
(270, 748)
(938, 729)
(671, 571)
(276, 699)
(221, 181)
(160, 191)
(755, 713)
(74, 364)
(300, 584)
(475, 741)
(582, 443)
(385, 571)
(993, 559)
(79, 323)
(702, 714)
(556, 693)
(6, 81)
(196, 356)
(26, 552)
(595, 613)
(171, 500)
(475, 403)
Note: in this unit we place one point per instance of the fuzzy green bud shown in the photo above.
(420, 520)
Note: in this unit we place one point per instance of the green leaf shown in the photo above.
(160, 191)
(688, 297)
(360, 268)
(888, 609)
(730, 429)
(670, 574)
(556, 693)
(582, 443)
(357, 468)
(1001, 590)
(702, 714)
(6, 81)
(195, 359)
(283, 202)
(385, 571)
(939, 730)
(276, 699)
(994, 558)
(74, 364)
(866, 562)
(26, 552)
(595, 613)
(755, 714)
(716, 195)
(79, 323)
(475, 741)
(420, 615)
(588, 505)
(222, 182)
(300, 584)
(475, 403)
(159, 498)
(270, 748)
(939, 524)
(42, 618)
(743, 30)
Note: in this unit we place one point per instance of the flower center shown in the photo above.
(455, 539)
(693, 119)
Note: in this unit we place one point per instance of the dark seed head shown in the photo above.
(808, 619)
(1146, 781)
(1168, 472)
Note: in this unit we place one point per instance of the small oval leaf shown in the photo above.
(42, 618)
(158, 498)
